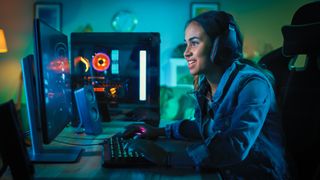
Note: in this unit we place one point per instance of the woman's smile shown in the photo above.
(191, 63)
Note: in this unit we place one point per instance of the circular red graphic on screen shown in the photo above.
(101, 62)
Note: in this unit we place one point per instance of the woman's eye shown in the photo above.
(194, 43)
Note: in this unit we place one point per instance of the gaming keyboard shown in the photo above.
(115, 155)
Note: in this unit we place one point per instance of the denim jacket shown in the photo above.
(239, 129)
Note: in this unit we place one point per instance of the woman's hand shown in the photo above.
(150, 150)
(142, 131)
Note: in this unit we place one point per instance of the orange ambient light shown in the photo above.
(85, 61)
(101, 62)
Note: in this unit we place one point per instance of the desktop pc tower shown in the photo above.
(122, 68)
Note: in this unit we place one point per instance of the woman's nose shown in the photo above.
(187, 53)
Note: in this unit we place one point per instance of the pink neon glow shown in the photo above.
(142, 130)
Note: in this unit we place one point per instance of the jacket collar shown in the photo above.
(204, 85)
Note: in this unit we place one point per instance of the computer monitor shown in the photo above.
(122, 67)
(47, 81)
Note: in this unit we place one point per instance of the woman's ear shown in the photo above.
(214, 49)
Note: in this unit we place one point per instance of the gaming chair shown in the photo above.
(298, 90)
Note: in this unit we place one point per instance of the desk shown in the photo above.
(89, 165)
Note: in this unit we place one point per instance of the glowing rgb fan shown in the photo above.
(84, 60)
(100, 62)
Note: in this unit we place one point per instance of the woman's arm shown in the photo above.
(232, 146)
(185, 130)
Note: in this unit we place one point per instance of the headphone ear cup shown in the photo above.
(225, 47)
(231, 40)
(214, 49)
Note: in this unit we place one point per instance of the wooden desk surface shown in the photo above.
(89, 165)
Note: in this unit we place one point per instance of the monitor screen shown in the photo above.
(47, 83)
(122, 67)
(54, 80)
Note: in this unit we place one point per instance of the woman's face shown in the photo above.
(198, 49)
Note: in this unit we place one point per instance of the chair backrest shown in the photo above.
(298, 89)
(301, 117)
(298, 95)
(12, 147)
(277, 64)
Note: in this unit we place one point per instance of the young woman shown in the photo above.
(237, 127)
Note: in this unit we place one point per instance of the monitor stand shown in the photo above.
(40, 153)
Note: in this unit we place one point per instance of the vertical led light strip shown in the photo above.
(115, 61)
(143, 75)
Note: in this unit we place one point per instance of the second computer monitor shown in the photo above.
(122, 67)
(47, 81)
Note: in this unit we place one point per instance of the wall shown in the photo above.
(16, 20)
(260, 22)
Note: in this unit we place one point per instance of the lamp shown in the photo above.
(3, 44)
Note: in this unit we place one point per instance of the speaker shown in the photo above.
(12, 147)
(88, 110)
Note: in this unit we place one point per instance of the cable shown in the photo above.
(76, 144)
(27, 133)
(81, 138)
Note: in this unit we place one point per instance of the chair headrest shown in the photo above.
(302, 36)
